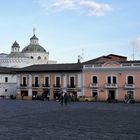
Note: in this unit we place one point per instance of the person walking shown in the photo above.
(61, 98)
(125, 98)
(65, 98)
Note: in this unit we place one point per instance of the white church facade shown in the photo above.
(32, 54)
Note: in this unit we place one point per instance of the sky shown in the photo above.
(68, 28)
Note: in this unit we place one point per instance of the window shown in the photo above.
(94, 79)
(57, 82)
(94, 93)
(46, 81)
(6, 79)
(39, 57)
(36, 81)
(130, 80)
(111, 79)
(72, 82)
(114, 79)
(5, 90)
(24, 81)
(130, 94)
(32, 57)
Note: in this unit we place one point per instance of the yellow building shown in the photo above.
(51, 79)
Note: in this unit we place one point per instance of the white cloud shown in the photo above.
(64, 4)
(92, 7)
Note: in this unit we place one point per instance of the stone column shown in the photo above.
(64, 82)
(51, 93)
(18, 81)
(79, 86)
(30, 85)
(18, 92)
(30, 81)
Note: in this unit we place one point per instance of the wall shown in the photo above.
(10, 87)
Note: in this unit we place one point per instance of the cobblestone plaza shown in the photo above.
(37, 120)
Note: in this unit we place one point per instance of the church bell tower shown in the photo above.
(15, 47)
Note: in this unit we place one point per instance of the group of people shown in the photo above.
(63, 98)
(128, 98)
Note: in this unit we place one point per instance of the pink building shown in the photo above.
(114, 78)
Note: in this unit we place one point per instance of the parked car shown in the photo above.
(37, 97)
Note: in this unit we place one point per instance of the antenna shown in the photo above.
(34, 29)
(133, 54)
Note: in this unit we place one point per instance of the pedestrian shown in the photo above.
(43, 97)
(61, 98)
(22, 96)
(65, 98)
(125, 98)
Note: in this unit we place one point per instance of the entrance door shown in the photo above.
(111, 94)
(130, 94)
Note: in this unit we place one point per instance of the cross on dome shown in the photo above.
(34, 30)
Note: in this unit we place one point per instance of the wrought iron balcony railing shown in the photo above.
(111, 85)
(93, 85)
(129, 86)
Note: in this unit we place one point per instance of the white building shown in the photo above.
(8, 82)
(30, 55)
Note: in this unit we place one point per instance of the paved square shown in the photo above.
(38, 120)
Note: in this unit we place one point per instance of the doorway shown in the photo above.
(112, 95)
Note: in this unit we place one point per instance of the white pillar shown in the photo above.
(64, 82)
(29, 85)
(83, 84)
(18, 81)
(29, 92)
(30, 81)
(79, 81)
(79, 92)
(18, 84)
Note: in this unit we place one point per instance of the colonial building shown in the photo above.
(8, 82)
(110, 76)
(52, 78)
(112, 79)
(32, 54)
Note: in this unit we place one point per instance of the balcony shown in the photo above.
(110, 85)
(35, 85)
(56, 86)
(129, 86)
(93, 85)
(23, 85)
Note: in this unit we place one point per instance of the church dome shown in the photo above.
(34, 46)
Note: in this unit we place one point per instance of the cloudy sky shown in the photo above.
(68, 28)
